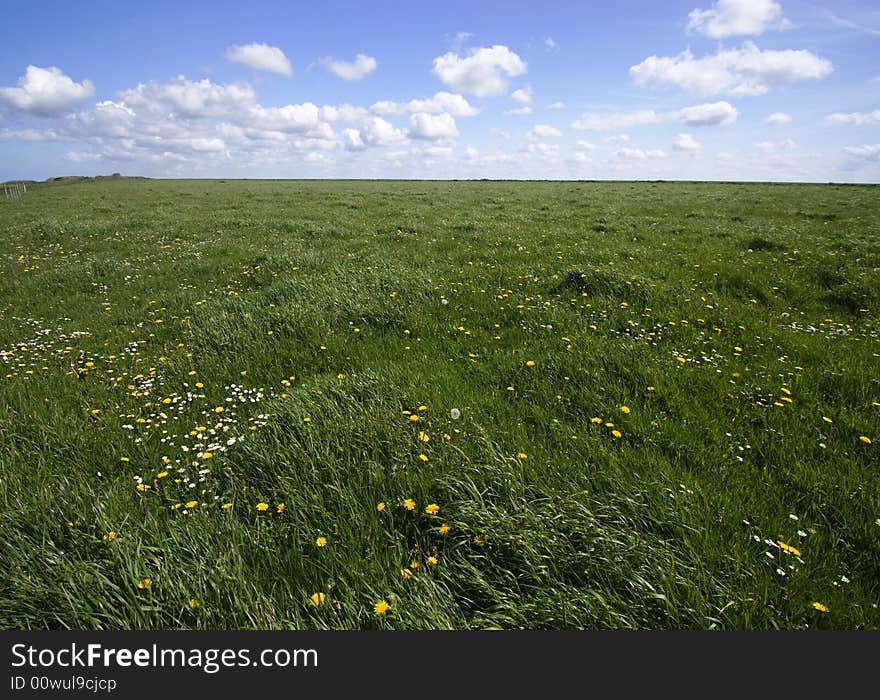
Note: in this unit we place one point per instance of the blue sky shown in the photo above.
(700, 89)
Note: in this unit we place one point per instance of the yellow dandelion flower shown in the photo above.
(530, 363)
(262, 506)
(432, 561)
(827, 419)
(124, 459)
(317, 598)
(144, 583)
(161, 475)
(110, 536)
(821, 608)
(479, 540)
(413, 565)
(143, 487)
(380, 506)
(226, 506)
(432, 508)
(381, 607)
(193, 603)
(423, 408)
(191, 504)
(521, 455)
(406, 573)
(444, 528)
(424, 437)
(616, 433)
(207, 455)
(414, 418)
(423, 457)
(219, 409)
(865, 439)
(409, 504)
(321, 541)
(307, 420)
(279, 508)
(625, 409)
(595, 419)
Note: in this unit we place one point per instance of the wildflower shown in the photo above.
(479, 540)
(207, 455)
(616, 433)
(409, 504)
(595, 419)
(380, 506)
(307, 420)
(279, 508)
(827, 419)
(521, 455)
(226, 506)
(432, 508)
(423, 436)
(381, 607)
(414, 418)
(423, 408)
(110, 536)
(444, 528)
(865, 439)
(455, 414)
(219, 409)
(321, 542)
(192, 504)
(144, 583)
(530, 363)
(193, 603)
(413, 565)
(123, 459)
(161, 475)
(143, 487)
(821, 608)
(624, 409)
(432, 561)
(262, 507)
(317, 598)
(423, 457)
(406, 573)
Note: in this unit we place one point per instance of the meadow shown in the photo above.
(439, 405)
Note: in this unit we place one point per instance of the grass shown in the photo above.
(668, 397)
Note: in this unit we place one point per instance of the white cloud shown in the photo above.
(556, 105)
(853, 118)
(686, 142)
(300, 119)
(545, 131)
(778, 119)
(523, 95)
(868, 152)
(471, 153)
(710, 114)
(190, 99)
(353, 141)
(776, 146)
(744, 71)
(550, 43)
(260, 57)
(520, 111)
(360, 68)
(45, 92)
(207, 145)
(638, 154)
(343, 113)
(730, 17)
(432, 126)
(617, 138)
(456, 105)
(375, 131)
(81, 157)
(609, 121)
(586, 145)
(482, 72)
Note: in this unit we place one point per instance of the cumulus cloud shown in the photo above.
(260, 57)
(556, 105)
(375, 131)
(778, 119)
(432, 126)
(638, 154)
(520, 111)
(740, 72)
(453, 104)
(853, 118)
(360, 68)
(586, 145)
(769, 147)
(545, 131)
(298, 118)
(710, 114)
(481, 72)
(610, 121)
(81, 157)
(686, 142)
(45, 92)
(523, 95)
(730, 17)
(617, 138)
(868, 152)
(190, 98)
(352, 139)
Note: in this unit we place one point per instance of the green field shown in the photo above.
(229, 404)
